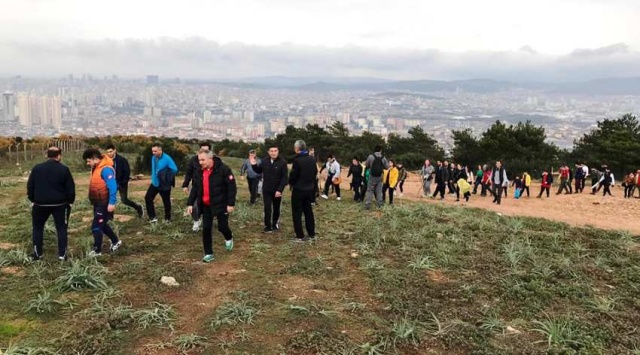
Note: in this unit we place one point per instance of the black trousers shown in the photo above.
(207, 229)
(152, 192)
(386, 188)
(329, 183)
(451, 187)
(628, 191)
(485, 188)
(253, 188)
(607, 190)
(440, 188)
(100, 227)
(363, 190)
(124, 197)
(197, 211)
(271, 209)
(543, 189)
(475, 186)
(301, 204)
(564, 185)
(497, 193)
(578, 185)
(356, 186)
(39, 216)
(316, 189)
(401, 186)
(526, 188)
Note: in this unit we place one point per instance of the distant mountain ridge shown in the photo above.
(604, 86)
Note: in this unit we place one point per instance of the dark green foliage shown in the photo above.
(520, 147)
(616, 142)
(410, 150)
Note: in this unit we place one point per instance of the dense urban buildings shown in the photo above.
(151, 106)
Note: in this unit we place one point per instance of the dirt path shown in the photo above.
(584, 209)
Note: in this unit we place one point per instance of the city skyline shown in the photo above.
(88, 106)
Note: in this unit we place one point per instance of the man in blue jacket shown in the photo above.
(123, 174)
(163, 173)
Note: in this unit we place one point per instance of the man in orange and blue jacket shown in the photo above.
(102, 194)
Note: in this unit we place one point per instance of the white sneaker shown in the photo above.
(115, 247)
(196, 226)
(324, 196)
(93, 254)
(338, 198)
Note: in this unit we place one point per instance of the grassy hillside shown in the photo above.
(411, 279)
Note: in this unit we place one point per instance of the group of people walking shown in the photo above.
(51, 191)
(211, 189)
(208, 182)
(494, 181)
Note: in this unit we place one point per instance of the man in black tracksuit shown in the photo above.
(451, 170)
(214, 189)
(123, 174)
(302, 180)
(274, 172)
(192, 170)
(355, 170)
(52, 191)
(442, 177)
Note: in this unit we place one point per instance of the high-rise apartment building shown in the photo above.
(9, 106)
(24, 110)
(35, 110)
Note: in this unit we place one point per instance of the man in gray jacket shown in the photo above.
(498, 179)
(376, 163)
(427, 172)
(253, 178)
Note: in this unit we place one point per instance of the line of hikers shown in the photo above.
(460, 181)
(494, 181)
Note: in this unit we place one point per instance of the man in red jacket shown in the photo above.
(214, 189)
(564, 180)
(547, 179)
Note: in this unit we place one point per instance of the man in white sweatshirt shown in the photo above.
(333, 177)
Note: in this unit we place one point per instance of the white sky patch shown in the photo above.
(547, 26)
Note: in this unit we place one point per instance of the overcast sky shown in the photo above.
(399, 39)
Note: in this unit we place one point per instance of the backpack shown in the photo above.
(376, 167)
